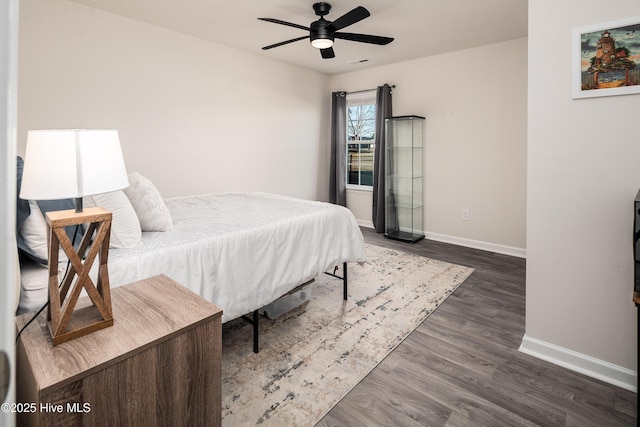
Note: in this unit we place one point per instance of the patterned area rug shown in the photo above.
(315, 354)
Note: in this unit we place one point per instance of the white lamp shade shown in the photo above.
(62, 164)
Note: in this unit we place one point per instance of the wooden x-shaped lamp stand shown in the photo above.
(64, 323)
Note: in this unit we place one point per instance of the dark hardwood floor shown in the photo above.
(462, 366)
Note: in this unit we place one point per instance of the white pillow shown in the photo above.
(125, 227)
(148, 204)
(34, 233)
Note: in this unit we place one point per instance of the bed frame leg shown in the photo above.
(255, 321)
(344, 281)
(256, 347)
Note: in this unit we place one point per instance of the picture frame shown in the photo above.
(606, 59)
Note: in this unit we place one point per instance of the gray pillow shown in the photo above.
(22, 206)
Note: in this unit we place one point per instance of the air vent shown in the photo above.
(359, 61)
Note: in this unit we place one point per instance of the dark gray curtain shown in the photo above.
(337, 179)
(383, 110)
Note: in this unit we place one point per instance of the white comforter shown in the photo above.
(242, 251)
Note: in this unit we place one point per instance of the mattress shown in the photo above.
(240, 251)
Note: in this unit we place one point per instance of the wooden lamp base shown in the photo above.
(65, 324)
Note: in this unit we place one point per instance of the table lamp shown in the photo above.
(63, 164)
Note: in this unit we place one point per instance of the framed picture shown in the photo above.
(606, 59)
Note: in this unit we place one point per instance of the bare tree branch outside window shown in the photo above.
(361, 122)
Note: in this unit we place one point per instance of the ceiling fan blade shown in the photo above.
(363, 38)
(350, 18)
(284, 42)
(327, 53)
(289, 24)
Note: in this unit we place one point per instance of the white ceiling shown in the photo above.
(420, 27)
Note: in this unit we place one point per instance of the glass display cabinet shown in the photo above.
(404, 207)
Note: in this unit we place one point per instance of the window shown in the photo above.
(361, 139)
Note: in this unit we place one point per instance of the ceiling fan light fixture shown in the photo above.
(322, 33)
(322, 43)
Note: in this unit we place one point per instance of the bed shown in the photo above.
(240, 251)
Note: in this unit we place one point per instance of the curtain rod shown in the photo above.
(368, 90)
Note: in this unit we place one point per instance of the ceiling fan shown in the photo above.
(322, 32)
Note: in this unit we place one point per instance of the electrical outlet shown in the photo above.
(465, 215)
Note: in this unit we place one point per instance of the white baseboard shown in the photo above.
(363, 223)
(469, 243)
(582, 363)
(477, 244)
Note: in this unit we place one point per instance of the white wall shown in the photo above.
(193, 116)
(8, 110)
(475, 102)
(582, 180)
(360, 203)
